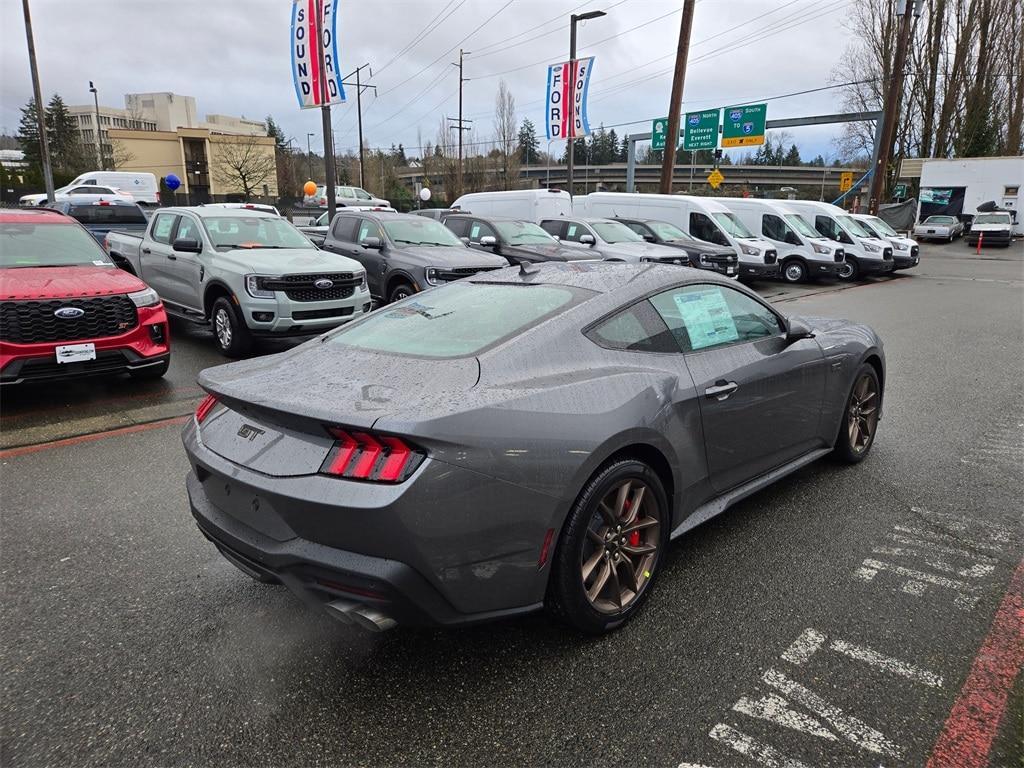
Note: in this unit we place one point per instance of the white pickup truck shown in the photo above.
(247, 273)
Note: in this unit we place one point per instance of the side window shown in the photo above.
(459, 226)
(640, 229)
(574, 231)
(163, 225)
(705, 316)
(188, 229)
(362, 194)
(480, 229)
(636, 329)
(367, 229)
(827, 226)
(703, 228)
(344, 228)
(553, 227)
(348, 193)
(772, 227)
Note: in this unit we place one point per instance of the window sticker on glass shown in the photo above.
(571, 231)
(707, 318)
(474, 233)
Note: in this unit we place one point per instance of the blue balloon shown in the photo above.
(172, 181)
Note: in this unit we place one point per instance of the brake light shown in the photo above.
(204, 408)
(366, 456)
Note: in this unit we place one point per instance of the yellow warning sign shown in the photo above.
(715, 178)
(845, 181)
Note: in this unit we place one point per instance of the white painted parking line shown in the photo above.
(775, 709)
(854, 730)
(803, 647)
(889, 664)
(763, 754)
(966, 595)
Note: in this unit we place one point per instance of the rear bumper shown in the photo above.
(441, 549)
(132, 351)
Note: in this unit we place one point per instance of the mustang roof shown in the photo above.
(602, 276)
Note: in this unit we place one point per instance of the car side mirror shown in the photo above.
(373, 243)
(793, 239)
(465, 240)
(587, 239)
(796, 330)
(187, 245)
(488, 241)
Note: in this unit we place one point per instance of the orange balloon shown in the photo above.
(309, 188)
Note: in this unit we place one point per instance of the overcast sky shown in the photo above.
(233, 57)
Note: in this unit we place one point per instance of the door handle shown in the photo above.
(146, 250)
(721, 390)
(172, 257)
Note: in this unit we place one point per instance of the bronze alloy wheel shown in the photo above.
(621, 548)
(862, 414)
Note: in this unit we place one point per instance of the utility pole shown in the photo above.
(571, 106)
(359, 112)
(330, 182)
(460, 125)
(44, 142)
(675, 107)
(890, 112)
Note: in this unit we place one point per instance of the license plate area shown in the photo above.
(75, 353)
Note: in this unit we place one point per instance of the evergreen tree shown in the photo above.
(792, 157)
(818, 161)
(66, 152)
(28, 136)
(613, 147)
(398, 155)
(529, 145)
(275, 132)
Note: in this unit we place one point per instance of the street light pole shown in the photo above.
(571, 106)
(309, 154)
(99, 140)
(44, 143)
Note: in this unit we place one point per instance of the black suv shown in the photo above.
(402, 253)
(514, 239)
(702, 255)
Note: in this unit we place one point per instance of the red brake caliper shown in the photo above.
(634, 536)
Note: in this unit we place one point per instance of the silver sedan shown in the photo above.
(939, 228)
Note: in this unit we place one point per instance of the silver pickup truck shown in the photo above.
(247, 273)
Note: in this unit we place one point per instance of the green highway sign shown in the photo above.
(700, 130)
(658, 130)
(900, 192)
(744, 126)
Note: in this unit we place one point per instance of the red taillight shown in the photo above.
(365, 456)
(204, 408)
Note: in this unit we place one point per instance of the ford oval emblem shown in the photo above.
(323, 284)
(68, 313)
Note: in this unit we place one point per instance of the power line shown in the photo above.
(419, 37)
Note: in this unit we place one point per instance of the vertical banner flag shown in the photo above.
(306, 69)
(562, 121)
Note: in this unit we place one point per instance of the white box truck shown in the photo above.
(957, 187)
(523, 204)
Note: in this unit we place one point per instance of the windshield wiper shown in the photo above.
(407, 242)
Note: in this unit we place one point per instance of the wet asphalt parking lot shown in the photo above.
(848, 616)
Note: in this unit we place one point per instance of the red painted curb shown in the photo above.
(972, 726)
(10, 453)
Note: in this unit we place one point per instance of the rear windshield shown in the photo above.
(940, 220)
(107, 214)
(253, 232)
(457, 320)
(48, 245)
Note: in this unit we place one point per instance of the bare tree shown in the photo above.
(120, 156)
(506, 132)
(243, 163)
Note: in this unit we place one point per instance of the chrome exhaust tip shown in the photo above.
(363, 616)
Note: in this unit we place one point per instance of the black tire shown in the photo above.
(849, 271)
(400, 291)
(845, 449)
(793, 271)
(151, 373)
(951, 237)
(234, 338)
(567, 599)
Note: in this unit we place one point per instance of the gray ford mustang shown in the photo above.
(523, 439)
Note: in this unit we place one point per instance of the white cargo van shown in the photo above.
(803, 252)
(906, 253)
(142, 186)
(865, 255)
(700, 217)
(523, 204)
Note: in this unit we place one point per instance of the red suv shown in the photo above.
(67, 310)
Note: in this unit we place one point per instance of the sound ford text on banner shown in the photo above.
(307, 73)
(563, 122)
